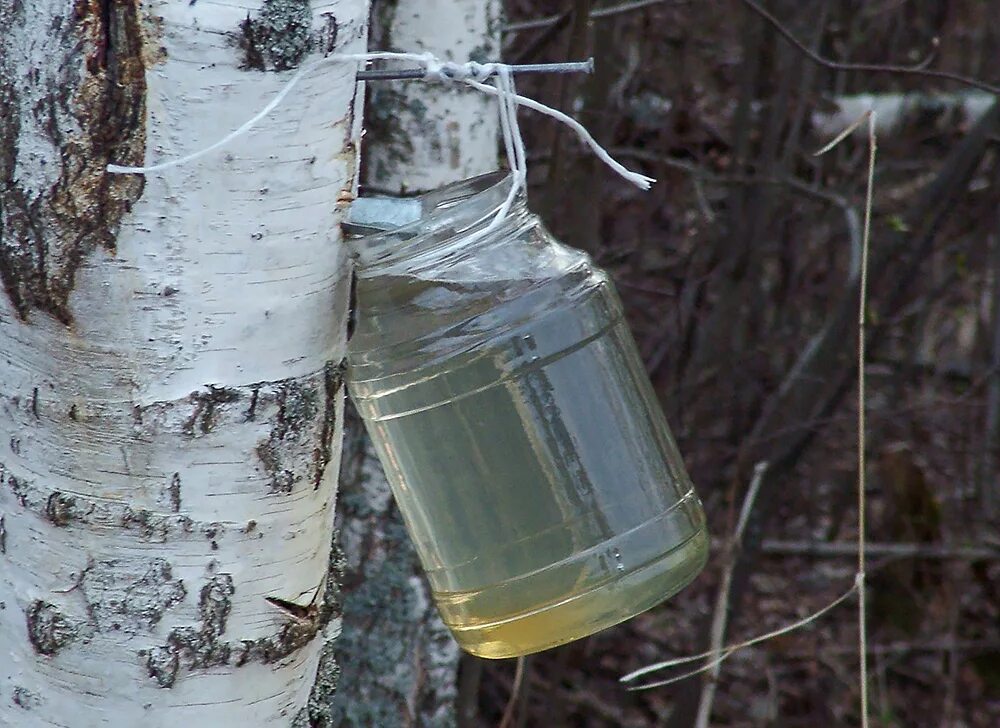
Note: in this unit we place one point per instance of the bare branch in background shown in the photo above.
(608, 12)
(894, 550)
(919, 70)
(721, 615)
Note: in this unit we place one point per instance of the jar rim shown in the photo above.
(439, 219)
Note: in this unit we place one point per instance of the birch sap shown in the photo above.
(507, 402)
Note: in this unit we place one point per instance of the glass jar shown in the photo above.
(516, 425)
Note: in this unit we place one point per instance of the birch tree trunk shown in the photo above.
(422, 136)
(170, 378)
(418, 137)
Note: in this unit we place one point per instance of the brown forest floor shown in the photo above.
(727, 268)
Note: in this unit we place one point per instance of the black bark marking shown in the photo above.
(196, 647)
(333, 380)
(202, 647)
(162, 664)
(174, 492)
(150, 526)
(3, 536)
(64, 509)
(61, 509)
(48, 630)
(25, 699)
(131, 605)
(17, 487)
(92, 113)
(34, 402)
(206, 406)
(327, 35)
(295, 420)
(251, 412)
(278, 37)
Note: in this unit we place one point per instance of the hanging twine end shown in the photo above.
(640, 180)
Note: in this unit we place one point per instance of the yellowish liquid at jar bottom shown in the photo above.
(538, 479)
(485, 631)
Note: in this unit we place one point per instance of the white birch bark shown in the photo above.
(421, 136)
(942, 112)
(418, 137)
(170, 404)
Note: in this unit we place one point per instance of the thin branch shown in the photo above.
(896, 648)
(917, 70)
(895, 550)
(862, 403)
(508, 714)
(626, 7)
(721, 615)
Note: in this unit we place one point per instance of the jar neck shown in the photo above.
(443, 218)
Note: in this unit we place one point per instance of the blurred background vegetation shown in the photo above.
(739, 271)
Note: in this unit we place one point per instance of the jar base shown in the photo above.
(582, 614)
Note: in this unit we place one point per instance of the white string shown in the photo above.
(473, 74)
(641, 181)
(274, 103)
(728, 650)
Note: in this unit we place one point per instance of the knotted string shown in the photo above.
(472, 74)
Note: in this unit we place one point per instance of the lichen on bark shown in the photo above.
(402, 657)
(277, 37)
(60, 126)
(299, 445)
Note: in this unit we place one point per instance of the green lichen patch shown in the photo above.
(278, 37)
